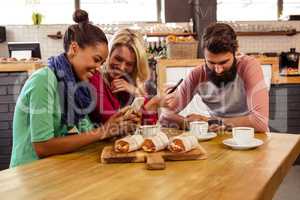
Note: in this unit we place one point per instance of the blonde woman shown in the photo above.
(122, 78)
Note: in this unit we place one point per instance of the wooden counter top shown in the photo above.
(276, 78)
(20, 66)
(226, 175)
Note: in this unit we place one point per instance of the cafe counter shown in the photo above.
(19, 66)
(277, 79)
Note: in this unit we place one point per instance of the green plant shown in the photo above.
(37, 18)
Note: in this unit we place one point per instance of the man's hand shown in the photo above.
(217, 128)
(167, 100)
(196, 117)
(217, 125)
(163, 99)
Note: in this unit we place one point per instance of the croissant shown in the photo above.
(183, 143)
(129, 143)
(156, 143)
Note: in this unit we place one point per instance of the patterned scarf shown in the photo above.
(75, 97)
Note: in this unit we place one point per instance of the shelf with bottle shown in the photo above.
(157, 48)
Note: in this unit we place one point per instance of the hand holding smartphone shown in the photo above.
(137, 103)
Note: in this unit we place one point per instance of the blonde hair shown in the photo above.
(133, 40)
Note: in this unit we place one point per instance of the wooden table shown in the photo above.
(226, 174)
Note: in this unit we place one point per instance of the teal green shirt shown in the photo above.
(37, 116)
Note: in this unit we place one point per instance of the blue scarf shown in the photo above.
(74, 99)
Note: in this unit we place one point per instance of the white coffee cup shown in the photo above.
(243, 135)
(199, 128)
(149, 130)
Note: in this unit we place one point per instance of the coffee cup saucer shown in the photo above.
(208, 136)
(252, 144)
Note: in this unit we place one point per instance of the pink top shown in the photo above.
(108, 103)
(246, 95)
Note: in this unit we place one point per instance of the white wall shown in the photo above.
(29, 33)
(270, 43)
(49, 47)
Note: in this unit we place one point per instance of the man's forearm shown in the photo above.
(246, 121)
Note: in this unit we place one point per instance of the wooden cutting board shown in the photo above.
(153, 160)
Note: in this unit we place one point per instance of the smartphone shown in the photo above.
(137, 103)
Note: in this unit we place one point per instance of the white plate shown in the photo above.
(208, 136)
(253, 144)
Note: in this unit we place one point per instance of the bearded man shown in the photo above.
(232, 87)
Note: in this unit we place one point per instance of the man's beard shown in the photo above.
(226, 77)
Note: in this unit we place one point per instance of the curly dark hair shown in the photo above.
(219, 38)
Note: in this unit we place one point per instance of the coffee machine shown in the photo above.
(289, 63)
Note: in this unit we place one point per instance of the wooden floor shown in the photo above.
(290, 187)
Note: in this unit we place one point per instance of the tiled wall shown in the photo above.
(270, 43)
(247, 44)
(10, 85)
(29, 33)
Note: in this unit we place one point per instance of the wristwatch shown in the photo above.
(219, 122)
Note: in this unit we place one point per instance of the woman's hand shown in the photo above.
(121, 85)
(153, 104)
(121, 122)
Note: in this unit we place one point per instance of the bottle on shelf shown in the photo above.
(155, 49)
(149, 49)
(191, 25)
(164, 46)
(160, 48)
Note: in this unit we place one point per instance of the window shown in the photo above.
(291, 7)
(60, 11)
(246, 10)
(56, 11)
(20, 11)
(110, 11)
